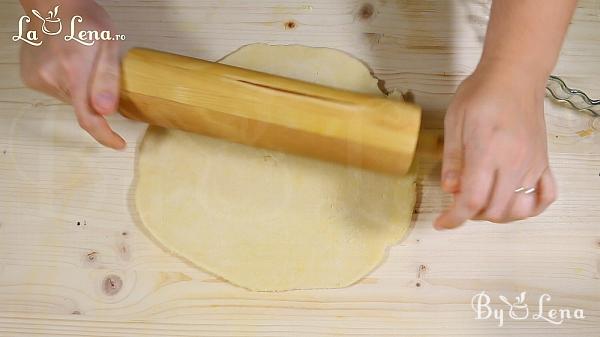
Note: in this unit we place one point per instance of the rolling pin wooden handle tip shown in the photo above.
(269, 111)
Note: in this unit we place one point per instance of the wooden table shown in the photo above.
(74, 261)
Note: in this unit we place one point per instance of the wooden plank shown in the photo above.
(55, 275)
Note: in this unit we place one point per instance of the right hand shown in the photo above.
(86, 77)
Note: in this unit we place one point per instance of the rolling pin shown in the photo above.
(268, 111)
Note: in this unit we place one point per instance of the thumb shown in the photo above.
(453, 152)
(104, 90)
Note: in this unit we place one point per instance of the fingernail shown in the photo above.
(105, 100)
(122, 147)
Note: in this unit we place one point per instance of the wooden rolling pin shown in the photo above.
(268, 111)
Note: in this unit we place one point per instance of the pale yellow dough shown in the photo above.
(266, 220)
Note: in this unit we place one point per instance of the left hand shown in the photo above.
(86, 77)
(495, 143)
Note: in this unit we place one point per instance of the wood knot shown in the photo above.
(92, 256)
(123, 251)
(420, 272)
(291, 24)
(111, 285)
(366, 11)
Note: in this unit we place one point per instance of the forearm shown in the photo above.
(526, 35)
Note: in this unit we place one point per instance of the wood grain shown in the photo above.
(74, 262)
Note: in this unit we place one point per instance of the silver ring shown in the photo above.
(525, 190)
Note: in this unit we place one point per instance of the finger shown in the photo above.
(522, 207)
(546, 192)
(453, 148)
(95, 124)
(476, 184)
(502, 197)
(523, 200)
(63, 93)
(104, 89)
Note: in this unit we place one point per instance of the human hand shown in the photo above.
(495, 143)
(85, 76)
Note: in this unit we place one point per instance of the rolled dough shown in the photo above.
(265, 220)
